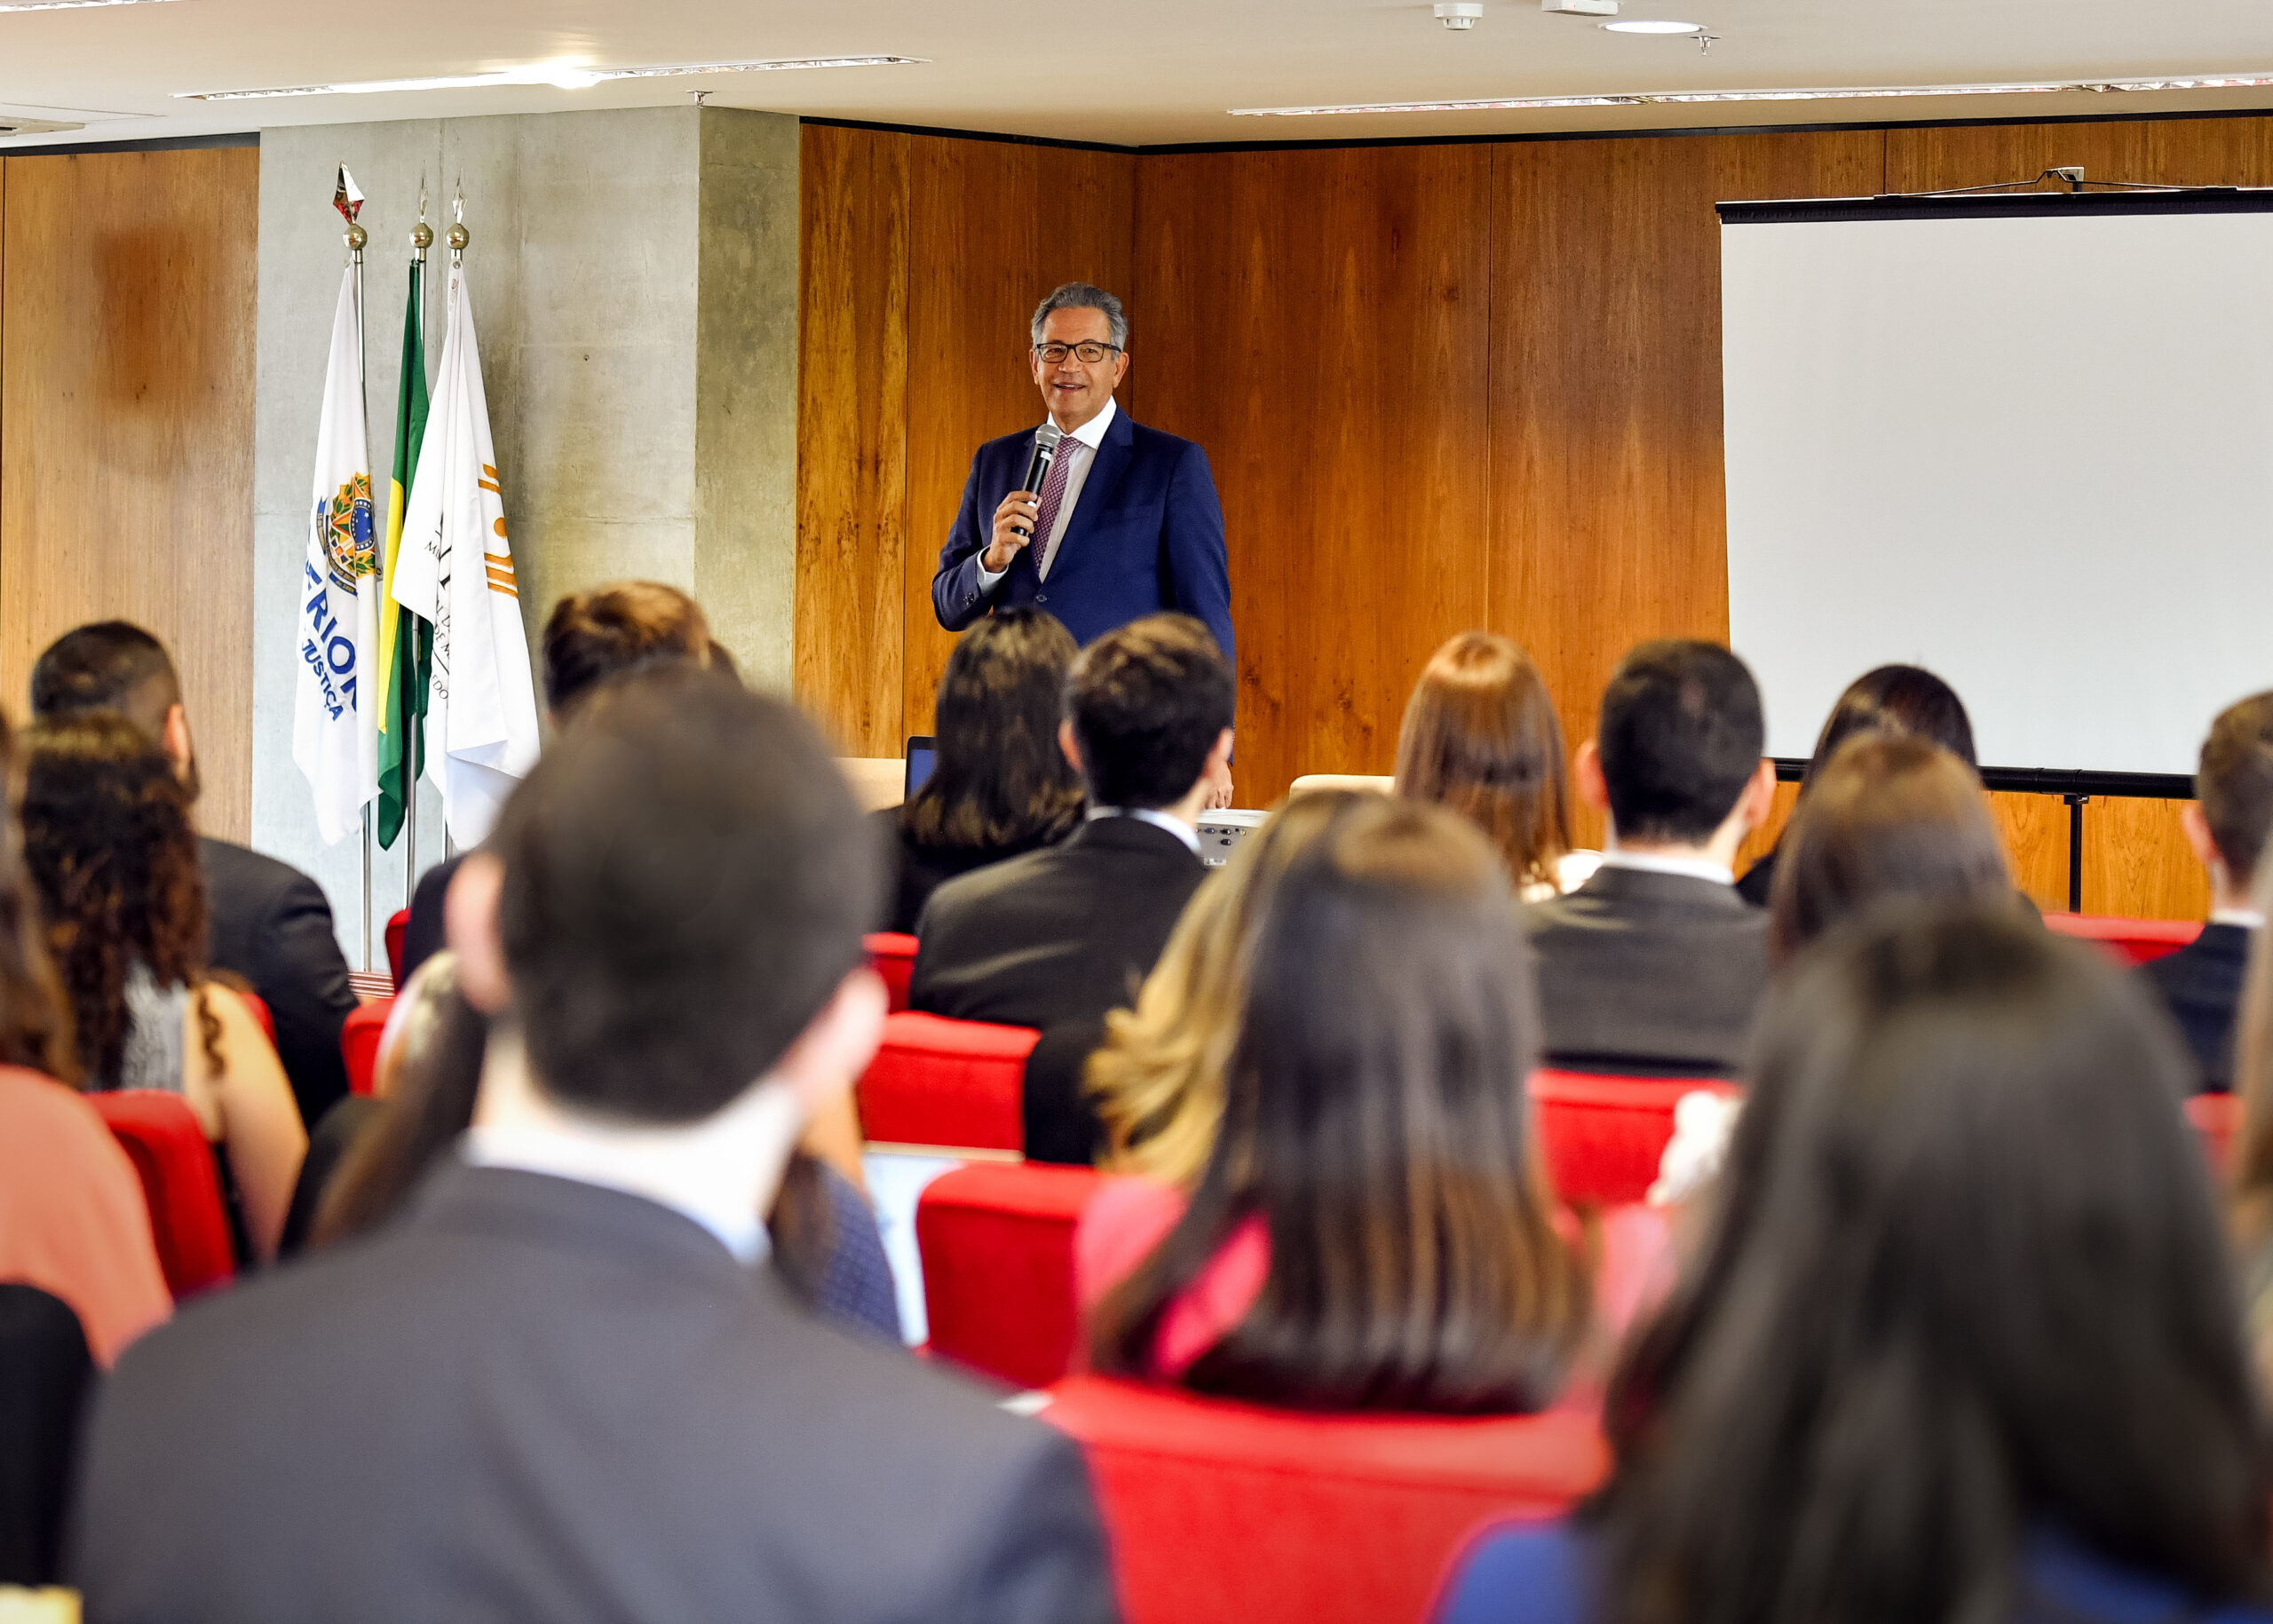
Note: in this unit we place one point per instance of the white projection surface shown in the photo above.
(2034, 454)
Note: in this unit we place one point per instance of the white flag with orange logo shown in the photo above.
(335, 709)
(455, 568)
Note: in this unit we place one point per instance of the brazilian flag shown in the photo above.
(406, 640)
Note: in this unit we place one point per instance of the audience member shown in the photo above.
(1480, 736)
(1891, 815)
(588, 638)
(563, 1390)
(1158, 1082)
(1000, 785)
(1055, 939)
(45, 1376)
(108, 844)
(1916, 1375)
(1371, 1230)
(2226, 824)
(1653, 965)
(266, 920)
(1892, 699)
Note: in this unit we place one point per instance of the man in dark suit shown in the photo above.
(567, 1385)
(2225, 823)
(1056, 937)
(1126, 522)
(1654, 966)
(267, 922)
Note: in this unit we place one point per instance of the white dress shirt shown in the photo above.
(1177, 826)
(594, 1158)
(1694, 867)
(1078, 450)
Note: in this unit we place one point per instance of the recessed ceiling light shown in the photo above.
(68, 5)
(1653, 99)
(563, 76)
(1644, 26)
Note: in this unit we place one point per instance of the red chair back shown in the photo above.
(2217, 1118)
(891, 956)
(953, 1084)
(2134, 941)
(997, 1243)
(175, 1162)
(359, 1042)
(1603, 1136)
(1225, 1513)
(397, 926)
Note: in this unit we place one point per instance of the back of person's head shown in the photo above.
(109, 841)
(1480, 736)
(1890, 816)
(590, 637)
(34, 1016)
(1158, 1079)
(2233, 781)
(1375, 1122)
(110, 665)
(1896, 699)
(1147, 703)
(685, 882)
(1965, 1283)
(1680, 737)
(999, 779)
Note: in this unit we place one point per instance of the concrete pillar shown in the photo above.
(634, 281)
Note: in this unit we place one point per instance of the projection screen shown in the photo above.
(2026, 442)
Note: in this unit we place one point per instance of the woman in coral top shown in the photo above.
(1370, 1230)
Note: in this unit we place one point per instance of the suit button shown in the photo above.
(1041, 598)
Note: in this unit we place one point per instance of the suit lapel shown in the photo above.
(1104, 474)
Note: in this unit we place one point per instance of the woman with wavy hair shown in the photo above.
(109, 842)
(1000, 785)
(1480, 736)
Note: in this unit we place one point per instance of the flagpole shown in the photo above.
(457, 237)
(421, 238)
(356, 238)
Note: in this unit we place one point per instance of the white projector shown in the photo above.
(1220, 831)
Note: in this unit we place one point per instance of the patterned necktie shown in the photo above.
(1053, 496)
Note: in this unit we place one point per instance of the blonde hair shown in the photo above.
(1158, 1080)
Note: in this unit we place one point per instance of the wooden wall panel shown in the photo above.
(2136, 862)
(2205, 152)
(1607, 520)
(126, 402)
(1322, 328)
(991, 227)
(2035, 828)
(852, 434)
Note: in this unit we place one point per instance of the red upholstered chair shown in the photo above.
(175, 1160)
(952, 1083)
(997, 1243)
(2217, 1118)
(397, 926)
(2134, 941)
(1225, 1513)
(359, 1042)
(891, 954)
(1604, 1136)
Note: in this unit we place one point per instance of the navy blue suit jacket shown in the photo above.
(1146, 535)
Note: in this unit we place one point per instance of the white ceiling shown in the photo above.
(1157, 72)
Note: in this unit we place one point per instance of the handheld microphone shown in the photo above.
(1045, 452)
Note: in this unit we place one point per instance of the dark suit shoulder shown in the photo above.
(1159, 442)
(245, 876)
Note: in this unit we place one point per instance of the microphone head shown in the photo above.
(1046, 437)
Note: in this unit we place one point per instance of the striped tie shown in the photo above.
(1053, 496)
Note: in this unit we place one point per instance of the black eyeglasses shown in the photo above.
(1050, 354)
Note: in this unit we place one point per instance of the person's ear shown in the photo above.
(1759, 795)
(470, 925)
(1120, 368)
(1069, 744)
(173, 737)
(1586, 773)
(2198, 836)
(838, 1044)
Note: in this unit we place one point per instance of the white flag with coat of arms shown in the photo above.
(335, 716)
(454, 566)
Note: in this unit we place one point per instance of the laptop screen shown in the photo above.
(919, 757)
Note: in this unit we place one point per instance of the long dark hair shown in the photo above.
(1966, 1281)
(1375, 1120)
(35, 1016)
(1891, 815)
(109, 841)
(1480, 736)
(1895, 699)
(999, 781)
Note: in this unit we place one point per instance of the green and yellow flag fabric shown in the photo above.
(406, 641)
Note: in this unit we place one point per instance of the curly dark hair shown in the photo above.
(109, 842)
(34, 1019)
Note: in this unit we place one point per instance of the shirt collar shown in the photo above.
(1177, 826)
(588, 1162)
(2247, 918)
(1092, 432)
(1693, 867)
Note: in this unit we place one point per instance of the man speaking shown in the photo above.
(1124, 521)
